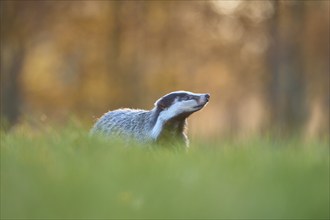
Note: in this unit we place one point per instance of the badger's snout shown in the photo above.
(207, 97)
(204, 98)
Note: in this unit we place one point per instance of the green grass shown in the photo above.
(67, 174)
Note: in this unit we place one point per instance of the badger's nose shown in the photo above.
(207, 96)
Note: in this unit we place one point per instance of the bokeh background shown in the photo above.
(265, 63)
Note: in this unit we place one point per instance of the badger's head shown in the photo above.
(181, 104)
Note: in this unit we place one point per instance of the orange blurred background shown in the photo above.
(265, 63)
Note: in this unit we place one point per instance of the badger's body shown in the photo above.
(164, 123)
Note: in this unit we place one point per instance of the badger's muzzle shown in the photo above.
(202, 101)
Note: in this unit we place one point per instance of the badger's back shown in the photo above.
(130, 123)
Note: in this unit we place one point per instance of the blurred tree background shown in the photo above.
(265, 63)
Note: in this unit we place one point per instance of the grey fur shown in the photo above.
(132, 123)
(165, 123)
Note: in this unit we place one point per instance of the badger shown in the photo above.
(165, 123)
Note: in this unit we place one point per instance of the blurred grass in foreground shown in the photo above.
(67, 174)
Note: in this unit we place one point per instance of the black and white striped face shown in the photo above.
(181, 102)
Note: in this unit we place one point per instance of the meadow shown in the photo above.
(65, 173)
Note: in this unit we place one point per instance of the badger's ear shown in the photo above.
(162, 103)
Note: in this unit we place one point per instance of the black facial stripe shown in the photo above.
(166, 101)
(169, 99)
(176, 95)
